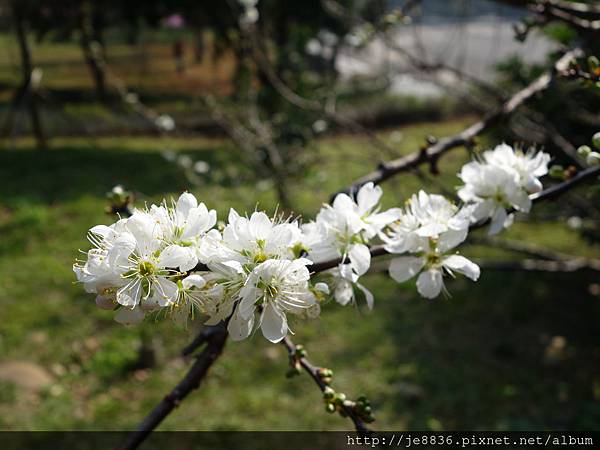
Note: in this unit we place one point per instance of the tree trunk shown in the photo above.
(26, 90)
(93, 56)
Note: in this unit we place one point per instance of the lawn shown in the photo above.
(513, 351)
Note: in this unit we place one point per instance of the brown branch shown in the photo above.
(547, 10)
(313, 371)
(465, 137)
(575, 7)
(215, 343)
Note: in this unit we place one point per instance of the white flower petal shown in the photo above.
(195, 280)
(130, 294)
(430, 283)
(186, 202)
(126, 316)
(498, 219)
(367, 198)
(240, 328)
(273, 323)
(360, 258)
(462, 265)
(175, 256)
(451, 239)
(368, 296)
(165, 292)
(405, 267)
(344, 293)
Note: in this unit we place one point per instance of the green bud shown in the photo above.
(584, 150)
(557, 171)
(328, 393)
(300, 351)
(596, 140)
(330, 407)
(340, 397)
(593, 159)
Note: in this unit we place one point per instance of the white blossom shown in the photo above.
(501, 181)
(526, 167)
(493, 190)
(429, 227)
(277, 287)
(343, 230)
(431, 263)
(184, 225)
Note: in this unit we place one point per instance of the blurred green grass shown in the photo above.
(513, 351)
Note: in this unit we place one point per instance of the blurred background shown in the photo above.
(270, 103)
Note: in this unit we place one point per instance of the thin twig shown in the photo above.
(313, 371)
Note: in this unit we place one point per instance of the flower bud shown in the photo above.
(557, 171)
(593, 159)
(330, 407)
(322, 287)
(596, 140)
(584, 150)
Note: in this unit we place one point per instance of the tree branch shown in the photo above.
(547, 194)
(314, 372)
(215, 342)
(465, 137)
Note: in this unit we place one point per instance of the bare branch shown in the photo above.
(545, 9)
(465, 137)
(575, 7)
(191, 381)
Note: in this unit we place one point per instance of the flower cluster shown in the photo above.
(252, 272)
(502, 181)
